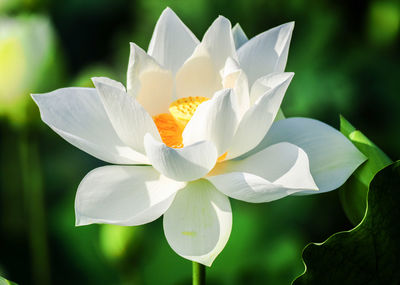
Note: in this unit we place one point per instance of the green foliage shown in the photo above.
(115, 240)
(384, 21)
(4, 281)
(84, 78)
(369, 253)
(354, 193)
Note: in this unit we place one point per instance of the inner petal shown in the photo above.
(198, 76)
(171, 125)
(183, 109)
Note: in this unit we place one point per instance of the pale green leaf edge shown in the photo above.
(4, 281)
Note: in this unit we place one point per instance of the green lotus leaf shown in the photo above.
(369, 253)
(353, 194)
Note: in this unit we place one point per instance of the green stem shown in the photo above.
(199, 274)
(32, 185)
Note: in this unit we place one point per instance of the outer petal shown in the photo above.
(185, 164)
(109, 82)
(129, 119)
(172, 42)
(123, 195)
(259, 118)
(148, 82)
(269, 82)
(239, 36)
(198, 223)
(78, 115)
(271, 174)
(214, 120)
(333, 158)
(267, 52)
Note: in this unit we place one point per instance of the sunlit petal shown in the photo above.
(129, 119)
(333, 158)
(239, 36)
(259, 118)
(233, 77)
(199, 76)
(198, 223)
(123, 195)
(143, 72)
(273, 173)
(172, 42)
(183, 164)
(218, 40)
(214, 120)
(78, 115)
(266, 52)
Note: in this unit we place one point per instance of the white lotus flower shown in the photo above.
(180, 135)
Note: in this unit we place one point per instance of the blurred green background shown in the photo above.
(346, 58)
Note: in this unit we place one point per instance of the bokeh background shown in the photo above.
(346, 58)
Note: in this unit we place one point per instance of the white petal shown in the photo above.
(109, 82)
(259, 118)
(198, 223)
(239, 36)
(149, 82)
(269, 82)
(267, 52)
(129, 119)
(78, 115)
(123, 195)
(214, 120)
(218, 40)
(172, 42)
(235, 78)
(277, 171)
(198, 76)
(333, 158)
(231, 67)
(184, 164)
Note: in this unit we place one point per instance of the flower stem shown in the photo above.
(199, 274)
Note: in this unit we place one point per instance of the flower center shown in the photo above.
(183, 109)
(170, 131)
(171, 125)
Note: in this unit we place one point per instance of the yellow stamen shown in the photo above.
(170, 126)
(183, 109)
(170, 131)
(222, 157)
